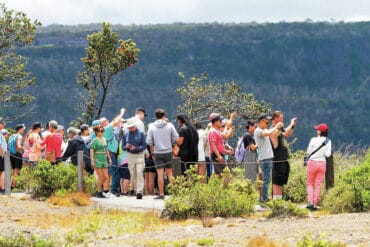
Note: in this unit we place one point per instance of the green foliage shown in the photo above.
(89, 183)
(296, 189)
(15, 30)
(200, 97)
(22, 241)
(318, 241)
(281, 208)
(106, 55)
(47, 178)
(220, 197)
(352, 192)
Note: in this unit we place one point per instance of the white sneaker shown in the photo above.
(108, 194)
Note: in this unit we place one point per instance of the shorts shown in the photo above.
(2, 166)
(163, 160)
(149, 166)
(16, 160)
(280, 172)
(218, 167)
(124, 172)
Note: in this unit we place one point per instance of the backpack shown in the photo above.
(12, 144)
(240, 150)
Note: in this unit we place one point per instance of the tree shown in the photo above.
(16, 30)
(201, 97)
(106, 56)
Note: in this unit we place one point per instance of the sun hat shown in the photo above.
(131, 122)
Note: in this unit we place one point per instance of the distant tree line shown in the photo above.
(317, 72)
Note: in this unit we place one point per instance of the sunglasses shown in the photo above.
(102, 131)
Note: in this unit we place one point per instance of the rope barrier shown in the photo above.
(176, 163)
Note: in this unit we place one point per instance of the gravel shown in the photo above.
(351, 229)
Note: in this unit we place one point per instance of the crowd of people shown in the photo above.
(129, 159)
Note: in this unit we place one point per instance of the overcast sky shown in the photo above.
(70, 12)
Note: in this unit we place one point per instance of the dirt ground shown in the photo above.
(351, 229)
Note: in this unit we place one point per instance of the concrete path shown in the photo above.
(130, 203)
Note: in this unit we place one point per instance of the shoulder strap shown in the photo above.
(317, 149)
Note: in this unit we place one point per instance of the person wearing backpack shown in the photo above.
(16, 149)
(75, 144)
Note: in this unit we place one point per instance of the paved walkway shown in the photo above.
(130, 203)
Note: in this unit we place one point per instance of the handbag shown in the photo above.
(306, 158)
(51, 156)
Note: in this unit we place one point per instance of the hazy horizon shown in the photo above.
(146, 12)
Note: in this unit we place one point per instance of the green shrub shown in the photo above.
(45, 179)
(352, 191)
(220, 197)
(89, 183)
(318, 241)
(296, 189)
(281, 208)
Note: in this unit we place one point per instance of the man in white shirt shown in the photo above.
(140, 115)
(265, 153)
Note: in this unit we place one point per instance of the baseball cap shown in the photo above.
(264, 116)
(322, 127)
(36, 125)
(142, 110)
(95, 123)
(60, 127)
(19, 126)
(215, 116)
(2, 121)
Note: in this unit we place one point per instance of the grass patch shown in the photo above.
(22, 241)
(113, 223)
(71, 199)
(263, 241)
(206, 242)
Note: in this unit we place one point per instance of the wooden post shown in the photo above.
(80, 170)
(8, 173)
(176, 166)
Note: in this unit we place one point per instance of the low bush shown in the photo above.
(220, 197)
(318, 241)
(281, 208)
(45, 179)
(295, 190)
(352, 191)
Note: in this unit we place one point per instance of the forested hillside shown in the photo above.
(317, 72)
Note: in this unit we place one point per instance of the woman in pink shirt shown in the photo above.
(34, 142)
